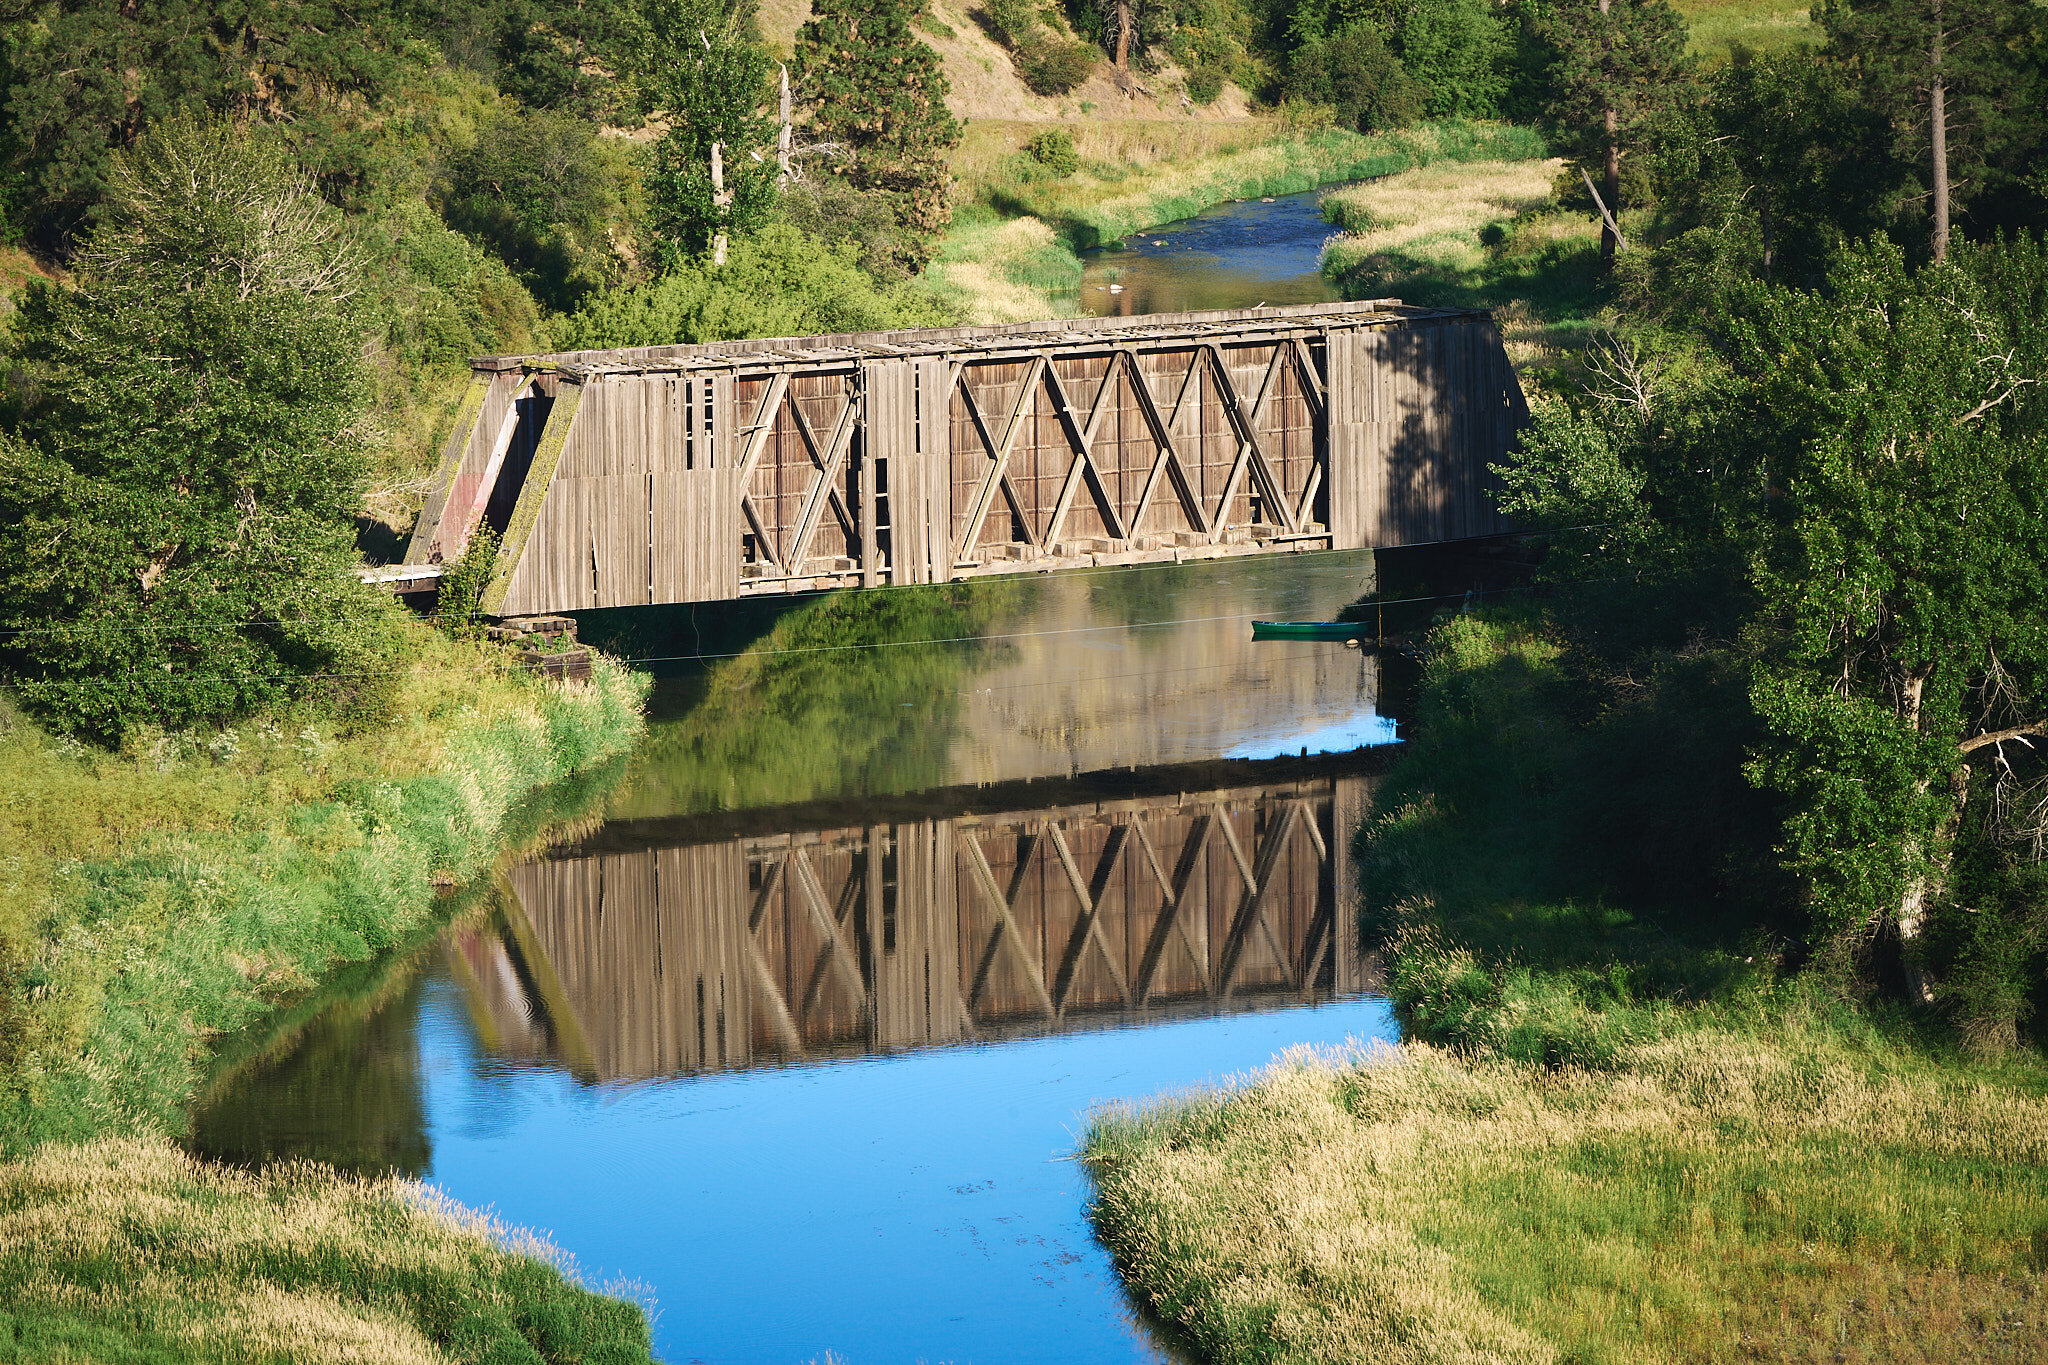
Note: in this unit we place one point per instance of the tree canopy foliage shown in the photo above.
(877, 90)
(178, 494)
(1844, 503)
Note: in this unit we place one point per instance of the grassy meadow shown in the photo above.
(1767, 1187)
(1760, 25)
(1485, 234)
(132, 1251)
(1614, 1135)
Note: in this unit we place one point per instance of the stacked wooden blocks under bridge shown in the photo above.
(709, 472)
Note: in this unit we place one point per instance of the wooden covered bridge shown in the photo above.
(704, 472)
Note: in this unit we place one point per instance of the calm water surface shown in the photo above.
(798, 1031)
(1233, 256)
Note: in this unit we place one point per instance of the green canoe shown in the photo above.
(1308, 630)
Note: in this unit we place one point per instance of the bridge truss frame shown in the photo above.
(694, 473)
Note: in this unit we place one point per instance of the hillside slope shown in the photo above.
(986, 85)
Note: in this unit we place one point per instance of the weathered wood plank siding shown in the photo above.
(693, 473)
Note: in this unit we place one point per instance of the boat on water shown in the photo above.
(1309, 630)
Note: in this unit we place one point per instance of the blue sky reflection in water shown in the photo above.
(893, 1209)
(1232, 256)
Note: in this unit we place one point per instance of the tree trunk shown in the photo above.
(1927, 885)
(1937, 99)
(1764, 221)
(1123, 35)
(1610, 180)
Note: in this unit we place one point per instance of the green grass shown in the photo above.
(1618, 1133)
(132, 1252)
(1760, 25)
(184, 907)
(184, 888)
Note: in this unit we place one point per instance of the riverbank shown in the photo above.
(165, 896)
(1615, 1134)
(132, 1251)
(1012, 254)
(1474, 234)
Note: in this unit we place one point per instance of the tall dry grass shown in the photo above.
(1706, 1198)
(133, 1251)
(1476, 234)
(1626, 1131)
(1432, 216)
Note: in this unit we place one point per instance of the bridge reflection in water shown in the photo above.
(753, 951)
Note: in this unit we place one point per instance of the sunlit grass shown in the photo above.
(1479, 234)
(154, 897)
(1722, 1194)
(1760, 25)
(1431, 217)
(133, 1251)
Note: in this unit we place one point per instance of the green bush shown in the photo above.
(781, 283)
(834, 212)
(542, 192)
(1054, 150)
(458, 604)
(1205, 83)
(1054, 66)
(1359, 76)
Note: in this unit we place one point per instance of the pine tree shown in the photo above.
(1615, 62)
(1954, 76)
(880, 92)
(177, 497)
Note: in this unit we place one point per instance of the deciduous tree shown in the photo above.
(1909, 467)
(708, 83)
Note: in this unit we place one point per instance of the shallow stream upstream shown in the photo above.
(1248, 254)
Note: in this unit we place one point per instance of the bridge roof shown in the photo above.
(1026, 338)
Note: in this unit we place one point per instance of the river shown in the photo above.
(795, 1038)
(1240, 255)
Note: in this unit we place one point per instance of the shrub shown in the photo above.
(1053, 66)
(829, 209)
(1358, 75)
(1054, 150)
(1205, 83)
(781, 283)
(540, 191)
